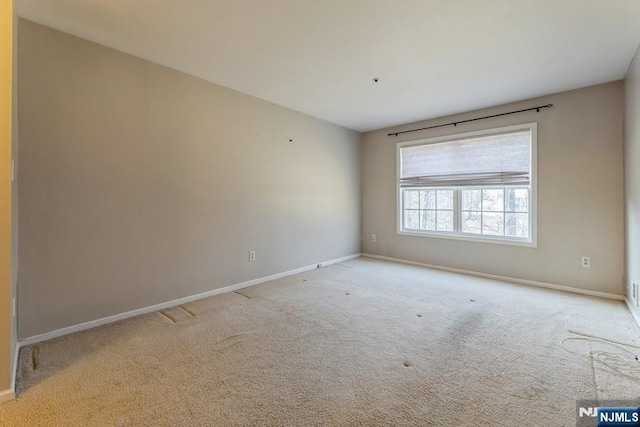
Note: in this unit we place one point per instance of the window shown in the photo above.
(475, 186)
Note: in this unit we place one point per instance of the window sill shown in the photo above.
(521, 243)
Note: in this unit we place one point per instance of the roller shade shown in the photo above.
(502, 159)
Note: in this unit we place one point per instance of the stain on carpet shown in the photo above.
(35, 357)
(167, 315)
(240, 293)
(186, 310)
(177, 314)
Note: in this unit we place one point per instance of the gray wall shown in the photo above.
(14, 191)
(139, 184)
(580, 194)
(7, 339)
(632, 177)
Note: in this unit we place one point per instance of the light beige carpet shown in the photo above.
(364, 342)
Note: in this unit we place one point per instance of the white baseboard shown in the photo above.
(335, 261)
(150, 309)
(14, 367)
(634, 314)
(501, 278)
(6, 395)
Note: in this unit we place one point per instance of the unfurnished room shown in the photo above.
(310, 213)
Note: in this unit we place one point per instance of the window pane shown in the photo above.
(412, 220)
(479, 211)
(445, 220)
(471, 222)
(510, 200)
(472, 200)
(516, 225)
(493, 223)
(492, 200)
(445, 199)
(428, 199)
(428, 219)
(411, 199)
(517, 200)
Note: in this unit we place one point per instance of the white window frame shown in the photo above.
(457, 234)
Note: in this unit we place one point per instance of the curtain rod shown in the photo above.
(472, 120)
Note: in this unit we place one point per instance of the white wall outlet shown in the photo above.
(586, 261)
(373, 237)
(252, 255)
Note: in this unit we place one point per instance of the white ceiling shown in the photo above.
(433, 57)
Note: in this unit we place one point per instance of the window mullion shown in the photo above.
(457, 205)
(504, 211)
(481, 211)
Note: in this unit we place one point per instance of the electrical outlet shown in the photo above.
(252, 255)
(373, 237)
(586, 261)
